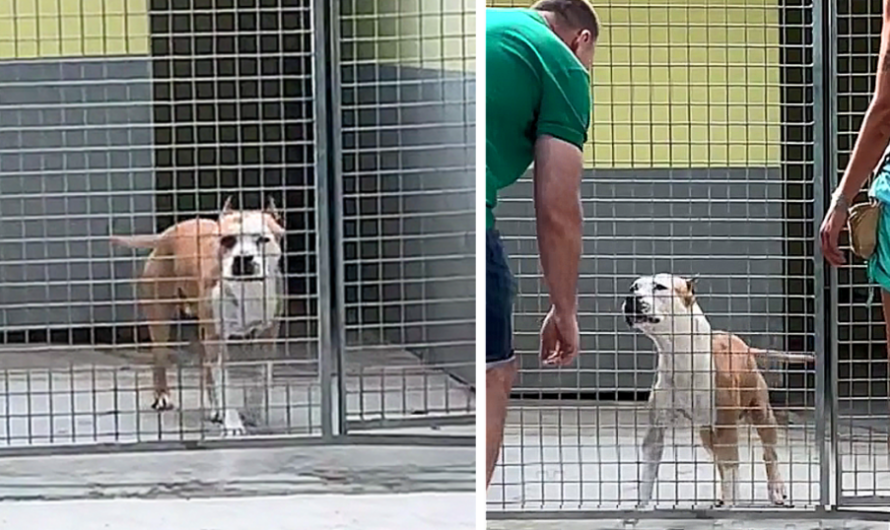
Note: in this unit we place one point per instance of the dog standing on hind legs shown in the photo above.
(226, 273)
(707, 378)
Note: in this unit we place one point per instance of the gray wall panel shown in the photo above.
(725, 225)
(76, 159)
(418, 149)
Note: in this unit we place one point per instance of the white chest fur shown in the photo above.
(245, 307)
(685, 380)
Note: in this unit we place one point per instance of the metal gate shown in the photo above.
(719, 129)
(127, 117)
(408, 229)
(857, 341)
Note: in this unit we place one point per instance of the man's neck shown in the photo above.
(555, 27)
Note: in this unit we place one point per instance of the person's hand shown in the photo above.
(560, 338)
(834, 221)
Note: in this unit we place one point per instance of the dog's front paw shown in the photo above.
(232, 425)
(777, 493)
(162, 402)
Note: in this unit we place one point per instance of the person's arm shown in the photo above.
(558, 167)
(560, 132)
(874, 134)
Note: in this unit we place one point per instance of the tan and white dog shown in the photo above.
(706, 378)
(226, 273)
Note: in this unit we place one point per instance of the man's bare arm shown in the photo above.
(558, 166)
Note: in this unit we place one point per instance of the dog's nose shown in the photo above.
(243, 265)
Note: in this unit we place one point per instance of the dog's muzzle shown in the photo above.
(244, 266)
(636, 311)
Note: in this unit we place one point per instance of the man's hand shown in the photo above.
(834, 222)
(560, 338)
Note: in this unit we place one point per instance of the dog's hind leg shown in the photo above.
(159, 308)
(725, 448)
(160, 315)
(159, 330)
(763, 419)
(727, 478)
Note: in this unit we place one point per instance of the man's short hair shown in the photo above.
(576, 14)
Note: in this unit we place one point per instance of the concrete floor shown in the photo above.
(292, 470)
(417, 511)
(577, 456)
(73, 395)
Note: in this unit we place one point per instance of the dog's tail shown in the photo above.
(141, 241)
(783, 356)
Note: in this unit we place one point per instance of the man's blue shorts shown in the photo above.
(500, 289)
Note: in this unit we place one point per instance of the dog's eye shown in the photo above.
(659, 287)
(262, 240)
(228, 242)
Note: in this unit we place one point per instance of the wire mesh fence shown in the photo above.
(408, 225)
(861, 349)
(702, 160)
(130, 118)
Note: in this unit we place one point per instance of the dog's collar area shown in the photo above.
(232, 296)
(635, 320)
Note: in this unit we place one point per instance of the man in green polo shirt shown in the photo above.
(537, 110)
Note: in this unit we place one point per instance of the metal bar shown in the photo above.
(832, 464)
(757, 514)
(821, 155)
(322, 205)
(872, 501)
(257, 442)
(399, 423)
(338, 314)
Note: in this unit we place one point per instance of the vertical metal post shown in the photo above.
(329, 216)
(824, 180)
(322, 213)
(335, 170)
(830, 52)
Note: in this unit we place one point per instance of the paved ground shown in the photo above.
(415, 511)
(240, 473)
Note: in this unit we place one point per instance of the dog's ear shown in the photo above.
(272, 210)
(687, 291)
(691, 282)
(227, 207)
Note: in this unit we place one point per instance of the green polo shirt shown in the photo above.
(534, 86)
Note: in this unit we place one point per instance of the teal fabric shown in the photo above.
(880, 187)
(879, 262)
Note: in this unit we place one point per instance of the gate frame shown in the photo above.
(330, 198)
(824, 175)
